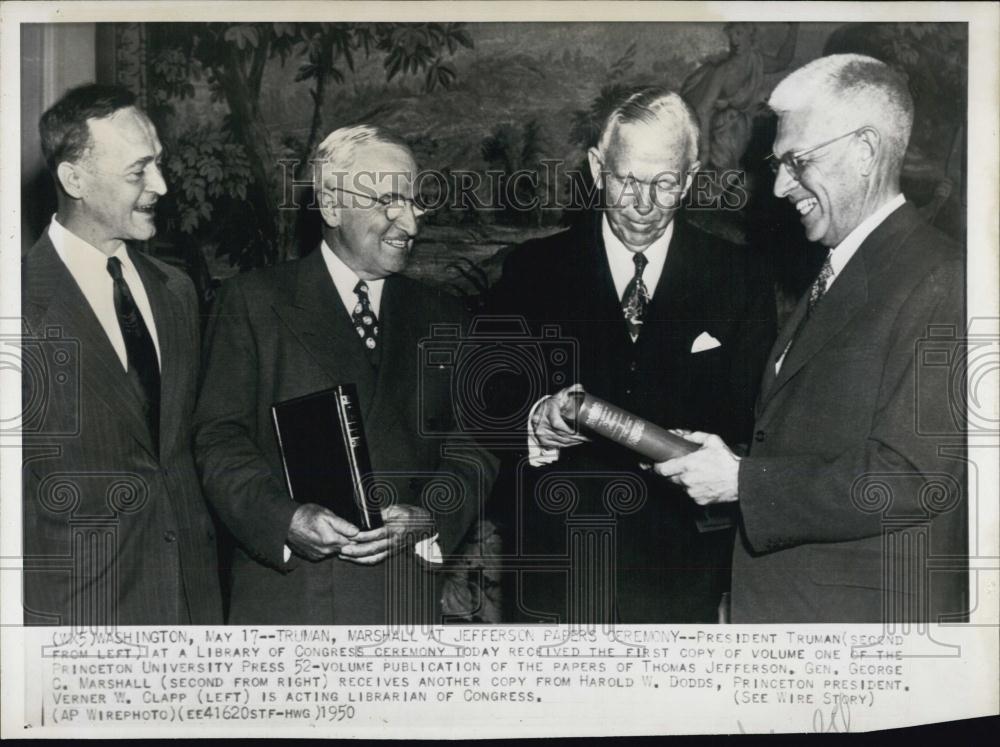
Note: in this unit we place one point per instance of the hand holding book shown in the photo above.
(316, 532)
(594, 415)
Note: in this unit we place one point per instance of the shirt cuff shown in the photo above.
(538, 455)
(429, 550)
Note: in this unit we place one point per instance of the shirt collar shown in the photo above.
(345, 280)
(620, 258)
(81, 256)
(843, 252)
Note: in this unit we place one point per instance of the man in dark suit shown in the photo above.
(341, 315)
(116, 530)
(669, 323)
(851, 510)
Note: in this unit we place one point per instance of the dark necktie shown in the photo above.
(138, 346)
(365, 322)
(636, 297)
(816, 292)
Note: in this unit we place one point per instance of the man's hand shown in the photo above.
(317, 532)
(549, 426)
(709, 475)
(404, 526)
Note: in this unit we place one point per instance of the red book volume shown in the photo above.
(595, 416)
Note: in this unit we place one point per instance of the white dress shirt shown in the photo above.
(841, 254)
(622, 268)
(89, 267)
(345, 280)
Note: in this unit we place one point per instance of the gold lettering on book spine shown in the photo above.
(635, 434)
(594, 415)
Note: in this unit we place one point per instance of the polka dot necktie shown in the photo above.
(365, 322)
(635, 299)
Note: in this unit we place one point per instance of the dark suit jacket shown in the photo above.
(281, 333)
(665, 569)
(113, 531)
(844, 472)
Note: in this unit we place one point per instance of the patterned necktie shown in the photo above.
(819, 285)
(636, 297)
(816, 292)
(139, 346)
(365, 321)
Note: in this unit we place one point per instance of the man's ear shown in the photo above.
(70, 179)
(594, 158)
(329, 209)
(870, 143)
(689, 178)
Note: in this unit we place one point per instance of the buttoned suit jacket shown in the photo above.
(283, 332)
(115, 531)
(664, 568)
(853, 497)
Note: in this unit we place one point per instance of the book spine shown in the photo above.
(595, 416)
(356, 448)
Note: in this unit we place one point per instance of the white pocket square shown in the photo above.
(704, 342)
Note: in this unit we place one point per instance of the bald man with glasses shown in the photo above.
(343, 314)
(853, 504)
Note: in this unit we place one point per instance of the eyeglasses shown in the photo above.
(392, 203)
(794, 162)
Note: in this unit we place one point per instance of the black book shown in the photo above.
(325, 453)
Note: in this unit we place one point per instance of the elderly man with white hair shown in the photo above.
(852, 498)
(341, 315)
(669, 323)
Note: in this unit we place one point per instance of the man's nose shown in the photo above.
(783, 181)
(407, 219)
(643, 199)
(154, 180)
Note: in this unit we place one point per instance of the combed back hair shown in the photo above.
(63, 128)
(654, 105)
(857, 90)
(336, 154)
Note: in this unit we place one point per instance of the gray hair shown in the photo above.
(337, 153)
(857, 89)
(654, 105)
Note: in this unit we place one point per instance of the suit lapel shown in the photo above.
(594, 293)
(396, 331)
(168, 313)
(784, 337)
(53, 298)
(839, 305)
(316, 317)
(606, 304)
(678, 279)
(846, 297)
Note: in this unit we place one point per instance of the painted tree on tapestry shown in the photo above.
(228, 181)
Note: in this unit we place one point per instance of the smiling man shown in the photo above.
(341, 315)
(116, 529)
(669, 323)
(849, 512)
